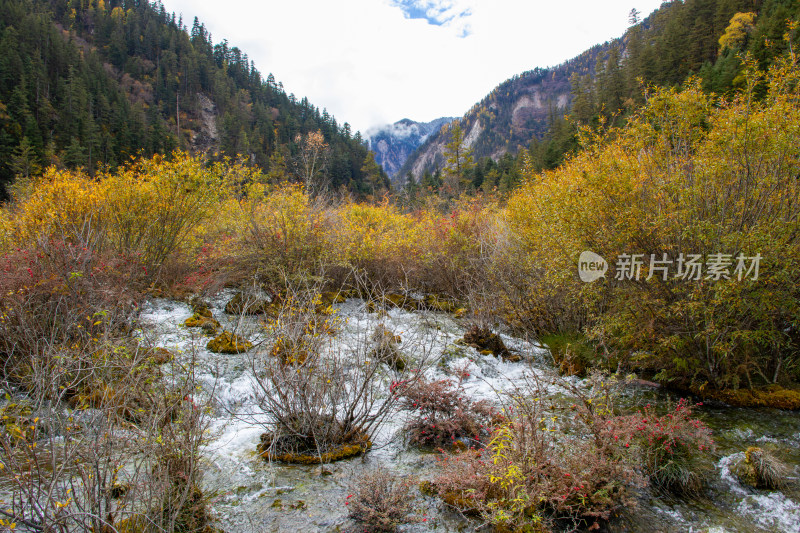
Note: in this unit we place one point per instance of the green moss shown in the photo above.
(572, 353)
(200, 321)
(360, 444)
(228, 342)
(773, 396)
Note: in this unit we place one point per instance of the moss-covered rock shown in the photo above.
(386, 348)
(242, 304)
(394, 300)
(461, 501)
(131, 405)
(383, 335)
(356, 446)
(760, 470)
(229, 343)
(483, 340)
(444, 305)
(199, 321)
(404, 301)
(328, 298)
(200, 306)
(773, 396)
(160, 356)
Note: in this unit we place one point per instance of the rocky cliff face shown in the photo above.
(393, 143)
(515, 112)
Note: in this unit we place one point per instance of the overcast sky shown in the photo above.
(373, 62)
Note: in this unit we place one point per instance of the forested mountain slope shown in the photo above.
(93, 82)
(707, 38)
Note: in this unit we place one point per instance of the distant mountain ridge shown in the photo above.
(516, 111)
(394, 143)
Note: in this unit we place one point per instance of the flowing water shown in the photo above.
(248, 494)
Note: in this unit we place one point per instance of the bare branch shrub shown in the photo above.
(94, 469)
(379, 500)
(324, 400)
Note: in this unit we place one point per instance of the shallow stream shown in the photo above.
(248, 494)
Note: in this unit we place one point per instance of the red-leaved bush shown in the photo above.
(668, 447)
(442, 415)
(552, 460)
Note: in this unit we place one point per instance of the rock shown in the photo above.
(242, 304)
(160, 356)
(229, 343)
(645, 383)
(760, 470)
(483, 340)
(386, 348)
(357, 445)
(201, 321)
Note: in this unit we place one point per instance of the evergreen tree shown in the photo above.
(458, 161)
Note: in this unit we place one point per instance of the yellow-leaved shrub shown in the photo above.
(688, 175)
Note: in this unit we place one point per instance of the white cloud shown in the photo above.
(369, 63)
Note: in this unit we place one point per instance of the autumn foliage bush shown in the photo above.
(672, 450)
(443, 415)
(691, 173)
(551, 461)
(538, 468)
(59, 299)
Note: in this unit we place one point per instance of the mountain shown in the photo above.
(516, 111)
(604, 84)
(393, 143)
(92, 83)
